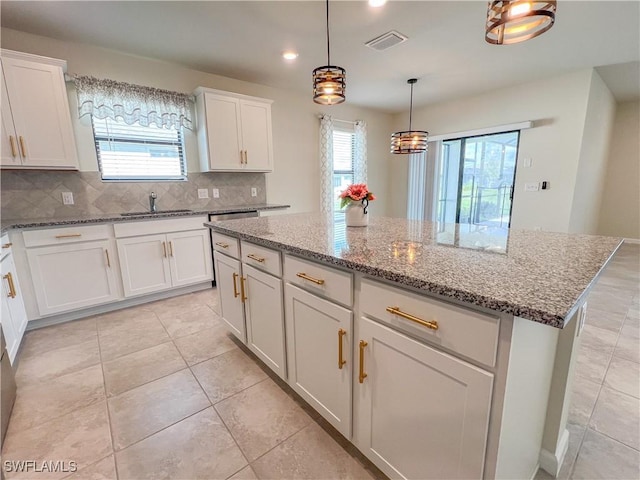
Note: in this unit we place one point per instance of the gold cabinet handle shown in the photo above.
(256, 258)
(171, 248)
(7, 245)
(433, 325)
(12, 288)
(164, 249)
(246, 157)
(362, 375)
(242, 289)
(69, 235)
(341, 361)
(14, 154)
(22, 147)
(222, 245)
(235, 287)
(317, 281)
(106, 252)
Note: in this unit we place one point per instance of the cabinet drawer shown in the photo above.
(5, 245)
(261, 257)
(155, 226)
(61, 236)
(469, 333)
(227, 245)
(326, 281)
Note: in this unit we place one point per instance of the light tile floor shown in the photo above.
(163, 391)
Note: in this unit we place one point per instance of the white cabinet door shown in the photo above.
(38, 98)
(10, 326)
(9, 153)
(16, 302)
(190, 257)
(420, 413)
(144, 263)
(224, 135)
(265, 318)
(229, 290)
(314, 327)
(256, 135)
(69, 277)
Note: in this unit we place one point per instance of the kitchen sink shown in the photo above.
(157, 212)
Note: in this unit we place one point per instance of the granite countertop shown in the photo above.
(10, 224)
(541, 276)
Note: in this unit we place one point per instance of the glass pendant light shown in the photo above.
(410, 141)
(513, 21)
(329, 81)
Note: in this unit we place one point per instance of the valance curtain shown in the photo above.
(146, 106)
(360, 152)
(326, 164)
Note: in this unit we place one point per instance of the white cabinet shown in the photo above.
(36, 121)
(234, 132)
(420, 413)
(14, 316)
(265, 318)
(74, 276)
(228, 276)
(151, 263)
(319, 336)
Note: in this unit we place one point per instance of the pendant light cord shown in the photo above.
(328, 49)
(411, 108)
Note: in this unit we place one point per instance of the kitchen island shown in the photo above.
(439, 351)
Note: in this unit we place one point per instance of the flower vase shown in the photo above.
(355, 215)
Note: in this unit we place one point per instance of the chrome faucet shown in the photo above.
(152, 202)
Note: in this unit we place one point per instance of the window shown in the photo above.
(343, 163)
(134, 152)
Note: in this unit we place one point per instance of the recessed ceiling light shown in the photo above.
(377, 3)
(289, 55)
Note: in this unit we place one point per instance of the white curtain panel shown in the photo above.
(146, 106)
(416, 186)
(360, 153)
(326, 164)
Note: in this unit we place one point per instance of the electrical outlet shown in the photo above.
(531, 187)
(216, 193)
(526, 162)
(203, 193)
(254, 192)
(67, 198)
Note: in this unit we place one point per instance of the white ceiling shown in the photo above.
(446, 48)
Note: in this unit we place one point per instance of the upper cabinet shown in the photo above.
(234, 132)
(36, 122)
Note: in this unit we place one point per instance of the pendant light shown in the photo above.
(410, 141)
(329, 82)
(513, 21)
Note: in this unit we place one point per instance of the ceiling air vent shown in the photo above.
(386, 40)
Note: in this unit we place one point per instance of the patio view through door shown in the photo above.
(476, 177)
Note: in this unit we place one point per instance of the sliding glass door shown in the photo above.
(476, 178)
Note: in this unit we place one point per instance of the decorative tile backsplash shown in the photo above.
(38, 194)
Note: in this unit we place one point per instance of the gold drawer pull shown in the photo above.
(341, 333)
(242, 289)
(164, 249)
(7, 245)
(235, 287)
(106, 252)
(12, 288)
(14, 153)
(22, 147)
(69, 235)
(171, 248)
(317, 281)
(433, 325)
(222, 245)
(256, 258)
(362, 375)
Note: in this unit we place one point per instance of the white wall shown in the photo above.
(620, 208)
(592, 168)
(296, 176)
(558, 107)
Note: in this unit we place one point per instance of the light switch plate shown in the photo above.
(67, 198)
(526, 162)
(531, 187)
(216, 193)
(254, 192)
(203, 193)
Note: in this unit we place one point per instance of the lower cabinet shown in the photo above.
(420, 413)
(231, 301)
(74, 276)
(319, 334)
(14, 316)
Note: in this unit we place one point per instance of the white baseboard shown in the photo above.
(632, 240)
(552, 462)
